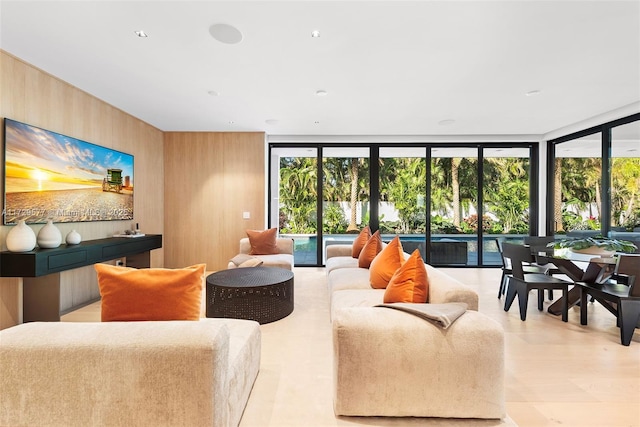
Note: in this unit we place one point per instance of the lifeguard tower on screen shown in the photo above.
(113, 181)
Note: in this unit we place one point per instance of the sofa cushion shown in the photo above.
(360, 241)
(263, 242)
(409, 283)
(150, 293)
(350, 298)
(348, 278)
(386, 263)
(370, 250)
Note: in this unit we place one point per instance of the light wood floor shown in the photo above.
(556, 373)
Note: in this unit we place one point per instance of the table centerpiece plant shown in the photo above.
(596, 245)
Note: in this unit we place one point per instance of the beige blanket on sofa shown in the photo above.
(442, 315)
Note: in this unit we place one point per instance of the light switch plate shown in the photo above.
(246, 215)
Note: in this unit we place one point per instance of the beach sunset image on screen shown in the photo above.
(57, 177)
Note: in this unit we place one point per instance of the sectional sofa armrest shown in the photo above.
(390, 363)
(78, 374)
(444, 288)
(284, 244)
(338, 250)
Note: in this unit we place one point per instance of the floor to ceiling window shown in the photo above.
(345, 193)
(454, 206)
(625, 181)
(402, 201)
(594, 177)
(577, 186)
(451, 202)
(294, 195)
(506, 198)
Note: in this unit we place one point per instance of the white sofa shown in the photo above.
(162, 373)
(391, 363)
(283, 259)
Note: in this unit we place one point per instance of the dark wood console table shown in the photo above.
(40, 268)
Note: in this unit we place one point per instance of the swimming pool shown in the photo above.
(305, 246)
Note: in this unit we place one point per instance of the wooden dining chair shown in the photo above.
(520, 284)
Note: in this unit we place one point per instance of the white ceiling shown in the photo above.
(389, 67)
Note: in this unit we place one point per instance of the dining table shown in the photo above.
(595, 270)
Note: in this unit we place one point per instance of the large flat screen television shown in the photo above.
(52, 176)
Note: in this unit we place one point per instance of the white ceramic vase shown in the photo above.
(73, 238)
(49, 236)
(21, 238)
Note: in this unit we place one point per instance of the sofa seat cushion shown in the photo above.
(340, 262)
(391, 363)
(350, 298)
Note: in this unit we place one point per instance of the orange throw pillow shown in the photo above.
(361, 240)
(263, 242)
(150, 293)
(370, 250)
(387, 262)
(409, 283)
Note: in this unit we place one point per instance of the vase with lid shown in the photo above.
(21, 238)
(49, 236)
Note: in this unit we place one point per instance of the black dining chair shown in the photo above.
(619, 294)
(520, 284)
(506, 269)
(539, 247)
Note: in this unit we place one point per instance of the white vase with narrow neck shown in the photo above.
(21, 238)
(49, 236)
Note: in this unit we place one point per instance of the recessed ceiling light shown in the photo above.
(315, 34)
(321, 93)
(213, 93)
(271, 121)
(446, 122)
(225, 33)
(533, 92)
(141, 33)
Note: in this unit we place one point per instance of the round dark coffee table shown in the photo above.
(263, 294)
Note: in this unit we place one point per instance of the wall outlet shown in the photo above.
(120, 263)
(246, 215)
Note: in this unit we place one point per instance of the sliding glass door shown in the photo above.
(294, 196)
(402, 202)
(577, 186)
(345, 193)
(454, 206)
(506, 199)
(625, 182)
(450, 202)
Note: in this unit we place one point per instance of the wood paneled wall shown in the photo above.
(30, 95)
(210, 179)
